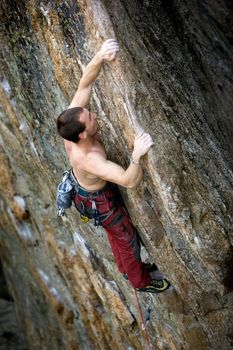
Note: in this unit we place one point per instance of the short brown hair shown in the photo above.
(68, 125)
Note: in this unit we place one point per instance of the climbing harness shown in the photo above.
(67, 191)
(147, 319)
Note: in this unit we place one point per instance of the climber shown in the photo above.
(95, 175)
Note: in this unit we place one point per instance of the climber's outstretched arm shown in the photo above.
(108, 53)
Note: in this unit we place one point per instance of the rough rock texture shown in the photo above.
(11, 335)
(173, 78)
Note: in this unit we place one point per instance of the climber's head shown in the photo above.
(77, 123)
(69, 125)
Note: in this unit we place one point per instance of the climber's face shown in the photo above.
(90, 120)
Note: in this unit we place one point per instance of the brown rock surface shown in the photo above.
(173, 77)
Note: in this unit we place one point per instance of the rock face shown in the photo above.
(173, 77)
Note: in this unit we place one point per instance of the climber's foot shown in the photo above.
(155, 286)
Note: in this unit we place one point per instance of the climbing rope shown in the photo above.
(147, 318)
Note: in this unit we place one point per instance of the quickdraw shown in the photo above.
(147, 319)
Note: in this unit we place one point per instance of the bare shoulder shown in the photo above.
(94, 159)
(85, 161)
(95, 154)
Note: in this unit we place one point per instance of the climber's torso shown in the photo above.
(79, 158)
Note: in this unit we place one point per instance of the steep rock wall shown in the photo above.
(173, 77)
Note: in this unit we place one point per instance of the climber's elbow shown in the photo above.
(133, 184)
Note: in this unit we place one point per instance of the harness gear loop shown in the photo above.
(65, 175)
(95, 213)
(60, 212)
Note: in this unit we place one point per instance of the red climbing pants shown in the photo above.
(108, 212)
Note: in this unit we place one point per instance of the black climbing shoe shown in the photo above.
(155, 286)
(149, 268)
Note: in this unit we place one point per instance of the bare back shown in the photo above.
(78, 158)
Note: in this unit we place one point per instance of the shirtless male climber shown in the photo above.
(95, 174)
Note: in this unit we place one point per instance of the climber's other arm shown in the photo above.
(108, 53)
(97, 164)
